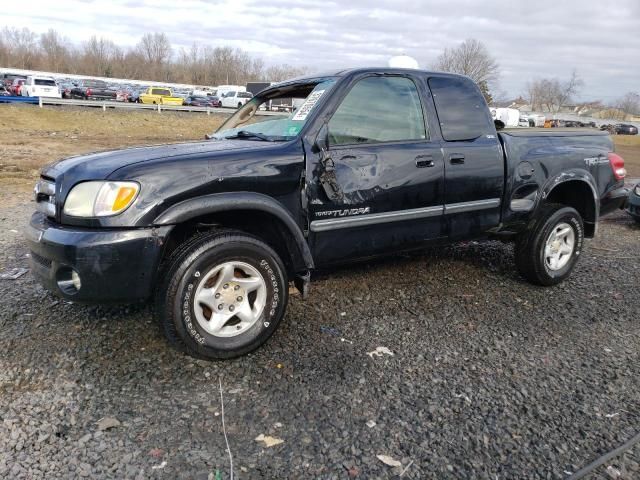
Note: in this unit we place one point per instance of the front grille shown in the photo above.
(45, 262)
(45, 196)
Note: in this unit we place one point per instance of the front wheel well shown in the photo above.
(269, 228)
(579, 195)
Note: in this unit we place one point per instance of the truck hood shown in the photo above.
(98, 166)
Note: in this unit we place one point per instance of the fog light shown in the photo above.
(68, 280)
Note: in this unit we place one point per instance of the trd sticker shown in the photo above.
(596, 161)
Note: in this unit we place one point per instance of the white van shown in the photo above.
(222, 90)
(40, 86)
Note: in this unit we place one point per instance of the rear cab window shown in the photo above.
(461, 109)
(44, 82)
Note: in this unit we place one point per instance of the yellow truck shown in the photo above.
(161, 96)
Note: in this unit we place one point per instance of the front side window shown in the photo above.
(376, 110)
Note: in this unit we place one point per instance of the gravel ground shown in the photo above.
(490, 377)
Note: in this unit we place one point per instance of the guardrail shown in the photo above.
(104, 104)
(18, 99)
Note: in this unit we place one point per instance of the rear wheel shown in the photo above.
(223, 295)
(239, 104)
(546, 254)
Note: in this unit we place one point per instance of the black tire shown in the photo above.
(175, 308)
(530, 246)
(239, 104)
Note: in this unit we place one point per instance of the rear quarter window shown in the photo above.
(462, 111)
(44, 82)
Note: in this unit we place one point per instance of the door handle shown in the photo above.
(456, 159)
(423, 161)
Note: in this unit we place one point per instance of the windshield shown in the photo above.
(277, 115)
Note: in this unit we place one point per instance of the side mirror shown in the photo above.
(322, 139)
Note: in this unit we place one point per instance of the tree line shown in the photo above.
(473, 59)
(152, 58)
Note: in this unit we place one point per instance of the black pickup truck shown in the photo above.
(92, 90)
(373, 161)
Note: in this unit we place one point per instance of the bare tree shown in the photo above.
(24, 47)
(100, 56)
(54, 51)
(470, 58)
(278, 73)
(629, 104)
(551, 94)
(155, 49)
(5, 50)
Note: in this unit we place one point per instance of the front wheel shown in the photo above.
(223, 295)
(546, 254)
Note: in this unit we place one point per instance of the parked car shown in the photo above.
(16, 86)
(633, 204)
(40, 86)
(162, 96)
(65, 89)
(201, 101)
(214, 231)
(215, 100)
(235, 99)
(92, 90)
(625, 129)
(4, 92)
(122, 95)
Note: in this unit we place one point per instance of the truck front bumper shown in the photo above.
(93, 265)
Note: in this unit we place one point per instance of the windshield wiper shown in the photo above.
(247, 134)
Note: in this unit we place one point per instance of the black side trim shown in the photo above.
(223, 202)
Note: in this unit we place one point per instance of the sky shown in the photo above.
(600, 39)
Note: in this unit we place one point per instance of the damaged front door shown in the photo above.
(377, 180)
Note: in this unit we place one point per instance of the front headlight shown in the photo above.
(100, 199)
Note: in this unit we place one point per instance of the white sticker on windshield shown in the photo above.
(308, 104)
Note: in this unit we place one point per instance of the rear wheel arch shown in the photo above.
(580, 195)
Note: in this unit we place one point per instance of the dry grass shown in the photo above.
(33, 137)
(628, 146)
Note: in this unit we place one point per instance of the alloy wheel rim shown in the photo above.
(230, 299)
(559, 246)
